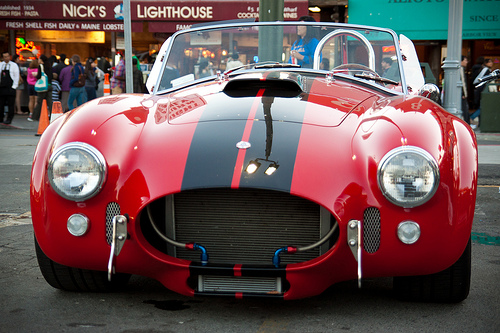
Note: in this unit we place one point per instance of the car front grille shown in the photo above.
(243, 226)
(112, 209)
(371, 230)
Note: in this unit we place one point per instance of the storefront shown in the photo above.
(426, 23)
(95, 28)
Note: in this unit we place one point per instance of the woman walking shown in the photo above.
(45, 66)
(91, 81)
(31, 80)
(77, 88)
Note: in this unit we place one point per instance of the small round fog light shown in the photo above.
(78, 224)
(408, 232)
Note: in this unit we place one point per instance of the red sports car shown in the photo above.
(270, 159)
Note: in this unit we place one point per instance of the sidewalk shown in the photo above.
(21, 122)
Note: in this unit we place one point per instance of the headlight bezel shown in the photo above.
(396, 152)
(88, 150)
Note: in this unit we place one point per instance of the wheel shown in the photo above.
(448, 286)
(75, 279)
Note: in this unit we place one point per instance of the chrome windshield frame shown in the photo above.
(242, 25)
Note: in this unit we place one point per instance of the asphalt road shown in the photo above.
(29, 304)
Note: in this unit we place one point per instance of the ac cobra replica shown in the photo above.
(276, 178)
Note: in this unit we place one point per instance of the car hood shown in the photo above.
(284, 100)
(190, 139)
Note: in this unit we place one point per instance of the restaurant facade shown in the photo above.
(95, 28)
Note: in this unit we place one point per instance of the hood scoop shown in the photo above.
(273, 87)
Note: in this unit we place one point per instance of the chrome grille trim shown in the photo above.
(241, 284)
(112, 210)
(371, 230)
(245, 226)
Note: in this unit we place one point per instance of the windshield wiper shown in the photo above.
(376, 78)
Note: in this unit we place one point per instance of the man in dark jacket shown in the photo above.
(9, 72)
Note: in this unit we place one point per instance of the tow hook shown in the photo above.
(354, 240)
(119, 224)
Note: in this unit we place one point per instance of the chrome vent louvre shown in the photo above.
(371, 230)
(244, 226)
(112, 210)
(229, 284)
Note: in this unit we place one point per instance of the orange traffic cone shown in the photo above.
(107, 90)
(56, 111)
(44, 119)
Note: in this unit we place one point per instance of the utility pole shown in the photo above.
(127, 31)
(270, 49)
(452, 83)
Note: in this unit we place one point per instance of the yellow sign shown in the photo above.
(52, 36)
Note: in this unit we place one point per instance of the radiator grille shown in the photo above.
(112, 210)
(208, 283)
(245, 226)
(371, 230)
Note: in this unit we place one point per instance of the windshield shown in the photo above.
(361, 52)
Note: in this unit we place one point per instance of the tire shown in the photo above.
(75, 279)
(449, 286)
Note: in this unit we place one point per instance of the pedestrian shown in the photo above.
(104, 65)
(65, 78)
(118, 79)
(138, 78)
(302, 51)
(91, 80)
(485, 70)
(138, 64)
(60, 65)
(56, 89)
(21, 85)
(9, 81)
(474, 71)
(77, 88)
(234, 61)
(46, 66)
(204, 68)
(31, 75)
(463, 78)
(390, 69)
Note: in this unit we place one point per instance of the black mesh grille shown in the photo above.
(112, 210)
(371, 230)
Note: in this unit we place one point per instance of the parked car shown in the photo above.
(278, 178)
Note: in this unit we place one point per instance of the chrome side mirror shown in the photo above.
(431, 91)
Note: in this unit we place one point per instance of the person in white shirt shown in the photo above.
(233, 62)
(9, 80)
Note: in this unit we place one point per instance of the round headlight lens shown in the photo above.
(408, 176)
(77, 171)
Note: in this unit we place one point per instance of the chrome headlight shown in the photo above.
(77, 171)
(408, 176)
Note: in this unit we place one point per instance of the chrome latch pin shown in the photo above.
(119, 224)
(354, 240)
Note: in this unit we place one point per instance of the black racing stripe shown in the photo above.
(212, 155)
(275, 142)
